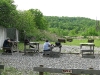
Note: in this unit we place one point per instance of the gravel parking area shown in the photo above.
(69, 59)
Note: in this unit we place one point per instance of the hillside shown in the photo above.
(71, 25)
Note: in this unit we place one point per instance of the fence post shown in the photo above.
(73, 74)
(41, 73)
(91, 69)
(1, 67)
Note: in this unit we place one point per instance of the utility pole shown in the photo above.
(97, 25)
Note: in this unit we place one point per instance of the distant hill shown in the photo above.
(77, 24)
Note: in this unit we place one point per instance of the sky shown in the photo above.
(70, 8)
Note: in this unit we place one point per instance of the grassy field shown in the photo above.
(75, 42)
(78, 41)
(14, 71)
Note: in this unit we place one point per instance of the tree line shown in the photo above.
(32, 23)
(28, 22)
(73, 26)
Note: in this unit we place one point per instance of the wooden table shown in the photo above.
(91, 45)
(29, 49)
(13, 47)
(87, 44)
(35, 44)
(53, 53)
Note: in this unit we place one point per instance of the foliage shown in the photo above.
(25, 23)
(72, 26)
(14, 71)
(11, 71)
(43, 35)
(90, 32)
(41, 22)
(32, 23)
(7, 11)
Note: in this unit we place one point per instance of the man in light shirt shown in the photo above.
(46, 46)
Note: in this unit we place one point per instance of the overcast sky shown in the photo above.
(70, 8)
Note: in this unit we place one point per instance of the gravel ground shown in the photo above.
(69, 59)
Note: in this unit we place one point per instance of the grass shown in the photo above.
(14, 71)
(21, 46)
(77, 42)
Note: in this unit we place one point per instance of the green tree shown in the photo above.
(40, 21)
(7, 12)
(74, 25)
(91, 32)
(25, 23)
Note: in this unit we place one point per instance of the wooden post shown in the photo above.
(41, 73)
(73, 74)
(1, 67)
(91, 69)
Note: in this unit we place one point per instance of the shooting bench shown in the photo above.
(53, 53)
(69, 39)
(90, 40)
(31, 49)
(90, 50)
(7, 48)
(13, 47)
(62, 40)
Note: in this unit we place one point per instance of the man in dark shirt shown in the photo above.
(26, 42)
(7, 46)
